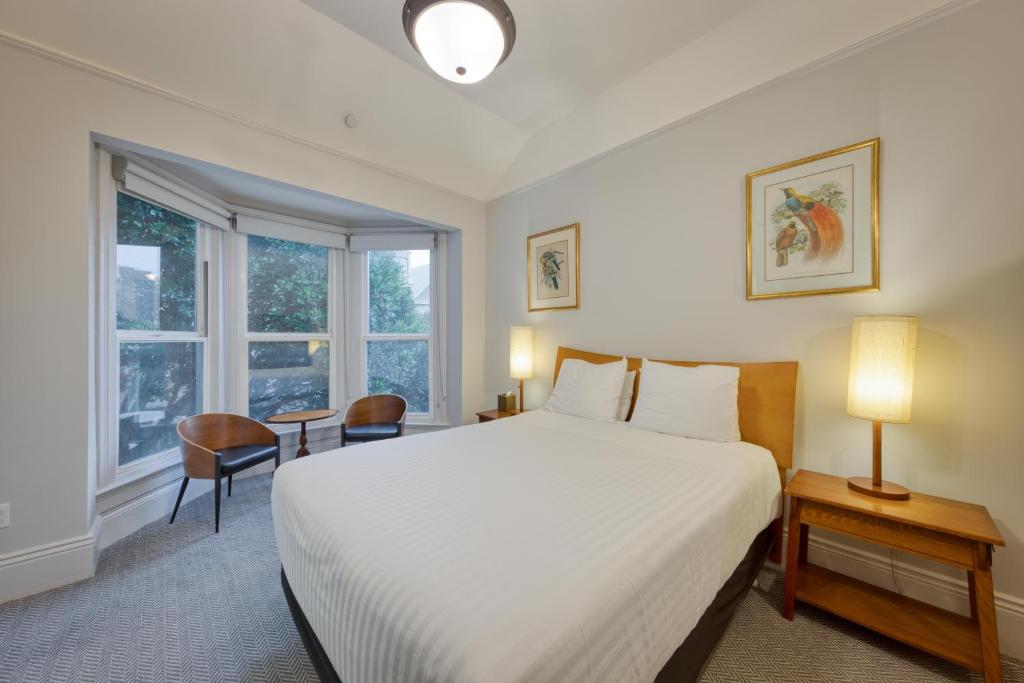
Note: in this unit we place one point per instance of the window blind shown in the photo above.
(151, 186)
(254, 222)
(398, 241)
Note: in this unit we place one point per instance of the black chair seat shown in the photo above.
(240, 457)
(373, 432)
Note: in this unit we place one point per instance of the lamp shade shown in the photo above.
(882, 368)
(520, 355)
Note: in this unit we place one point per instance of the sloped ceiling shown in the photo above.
(585, 78)
(565, 51)
(281, 65)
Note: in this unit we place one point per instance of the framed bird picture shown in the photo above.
(553, 269)
(812, 225)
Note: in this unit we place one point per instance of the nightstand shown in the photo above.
(946, 531)
(488, 415)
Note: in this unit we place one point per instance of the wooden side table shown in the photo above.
(947, 531)
(488, 415)
(302, 417)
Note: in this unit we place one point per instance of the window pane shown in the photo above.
(287, 286)
(288, 376)
(400, 367)
(399, 292)
(156, 267)
(160, 385)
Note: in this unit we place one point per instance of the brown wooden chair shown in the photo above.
(217, 445)
(374, 418)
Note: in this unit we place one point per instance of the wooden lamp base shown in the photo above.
(884, 489)
(874, 485)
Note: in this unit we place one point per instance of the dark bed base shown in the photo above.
(685, 665)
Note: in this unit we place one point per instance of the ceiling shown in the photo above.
(586, 77)
(566, 50)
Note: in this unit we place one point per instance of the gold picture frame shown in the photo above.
(819, 215)
(553, 275)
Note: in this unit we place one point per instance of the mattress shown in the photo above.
(542, 547)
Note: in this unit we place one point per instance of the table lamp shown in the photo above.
(881, 387)
(520, 357)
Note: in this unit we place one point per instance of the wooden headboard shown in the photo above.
(767, 399)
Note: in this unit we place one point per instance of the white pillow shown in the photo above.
(627, 396)
(699, 402)
(588, 390)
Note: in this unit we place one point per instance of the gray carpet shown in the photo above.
(176, 603)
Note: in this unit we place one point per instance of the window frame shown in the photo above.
(334, 335)
(111, 474)
(359, 302)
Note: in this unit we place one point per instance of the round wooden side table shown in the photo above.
(301, 417)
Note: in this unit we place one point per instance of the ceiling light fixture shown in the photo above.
(462, 40)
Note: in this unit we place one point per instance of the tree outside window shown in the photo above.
(399, 325)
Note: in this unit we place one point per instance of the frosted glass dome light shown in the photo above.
(462, 40)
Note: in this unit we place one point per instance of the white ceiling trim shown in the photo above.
(681, 86)
(102, 71)
(715, 68)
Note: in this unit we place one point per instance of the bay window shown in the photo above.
(206, 307)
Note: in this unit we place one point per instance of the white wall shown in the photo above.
(48, 109)
(662, 250)
(768, 40)
(286, 67)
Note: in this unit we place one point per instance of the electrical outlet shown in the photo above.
(5, 515)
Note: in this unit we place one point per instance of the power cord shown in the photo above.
(892, 570)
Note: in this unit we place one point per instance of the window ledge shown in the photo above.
(114, 489)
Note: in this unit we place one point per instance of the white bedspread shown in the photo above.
(537, 548)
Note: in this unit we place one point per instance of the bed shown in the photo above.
(543, 547)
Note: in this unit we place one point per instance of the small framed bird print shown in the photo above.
(812, 225)
(553, 269)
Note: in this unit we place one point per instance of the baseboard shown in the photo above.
(919, 583)
(35, 570)
(31, 571)
(129, 517)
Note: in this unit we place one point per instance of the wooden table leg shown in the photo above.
(302, 442)
(985, 605)
(796, 532)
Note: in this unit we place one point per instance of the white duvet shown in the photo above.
(537, 548)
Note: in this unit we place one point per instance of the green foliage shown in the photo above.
(396, 367)
(392, 309)
(799, 242)
(830, 194)
(287, 286)
(159, 381)
(140, 223)
(400, 367)
(288, 376)
(780, 215)
(159, 386)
